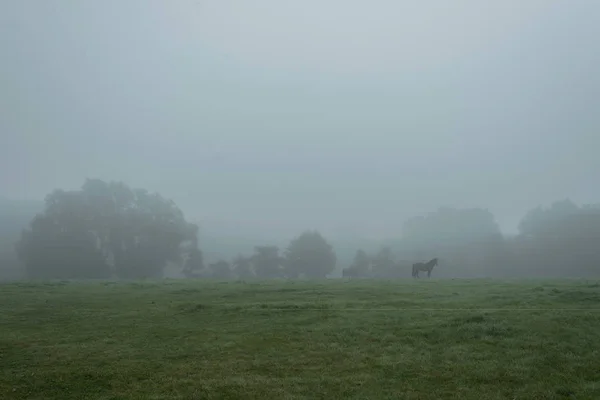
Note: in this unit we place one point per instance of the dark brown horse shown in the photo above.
(428, 266)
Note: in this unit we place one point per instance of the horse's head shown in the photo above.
(432, 263)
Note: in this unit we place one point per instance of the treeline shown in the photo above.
(307, 256)
(107, 230)
(562, 240)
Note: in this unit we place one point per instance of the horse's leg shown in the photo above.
(429, 273)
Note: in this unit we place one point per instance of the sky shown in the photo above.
(270, 117)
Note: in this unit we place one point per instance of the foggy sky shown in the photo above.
(272, 117)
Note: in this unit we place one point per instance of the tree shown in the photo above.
(542, 221)
(310, 255)
(539, 220)
(15, 215)
(359, 267)
(267, 263)
(194, 265)
(60, 243)
(104, 229)
(383, 262)
(468, 240)
(242, 267)
(561, 240)
(220, 270)
(451, 226)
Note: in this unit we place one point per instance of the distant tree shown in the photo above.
(60, 243)
(242, 267)
(194, 266)
(451, 226)
(220, 270)
(561, 240)
(359, 267)
(15, 215)
(267, 262)
(542, 221)
(383, 262)
(467, 241)
(310, 255)
(104, 229)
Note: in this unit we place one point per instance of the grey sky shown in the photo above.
(275, 116)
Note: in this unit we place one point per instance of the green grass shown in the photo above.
(456, 339)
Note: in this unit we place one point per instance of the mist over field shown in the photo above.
(272, 199)
(264, 120)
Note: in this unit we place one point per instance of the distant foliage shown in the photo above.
(467, 241)
(220, 270)
(309, 255)
(243, 268)
(561, 240)
(194, 265)
(109, 230)
(267, 263)
(360, 267)
(383, 262)
(451, 226)
(104, 229)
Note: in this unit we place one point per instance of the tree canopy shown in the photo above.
(102, 230)
(451, 225)
(310, 255)
(267, 262)
(109, 230)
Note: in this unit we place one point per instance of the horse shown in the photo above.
(428, 266)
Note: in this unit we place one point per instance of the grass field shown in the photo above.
(173, 339)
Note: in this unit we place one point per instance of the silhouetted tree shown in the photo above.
(102, 229)
(60, 243)
(242, 267)
(220, 270)
(194, 266)
(540, 221)
(310, 255)
(359, 267)
(383, 263)
(15, 215)
(451, 226)
(267, 262)
(467, 240)
(561, 240)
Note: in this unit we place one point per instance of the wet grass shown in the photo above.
(467, 339)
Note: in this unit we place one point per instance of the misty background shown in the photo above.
(263, 119)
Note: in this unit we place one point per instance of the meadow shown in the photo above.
(335, 339)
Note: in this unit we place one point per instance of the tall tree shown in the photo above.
(359, 267)
(194, 265)
(107, 227)
(468, 241)
(383, 262)
(242, 267)
(60, 242)
(561, 240)
(542, 221)
(220, 270)
(310, 255)
(15, 215)
(451, 226)
(267, 262)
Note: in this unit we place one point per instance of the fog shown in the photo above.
(265, 118)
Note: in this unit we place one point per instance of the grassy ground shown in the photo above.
(301, 340)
